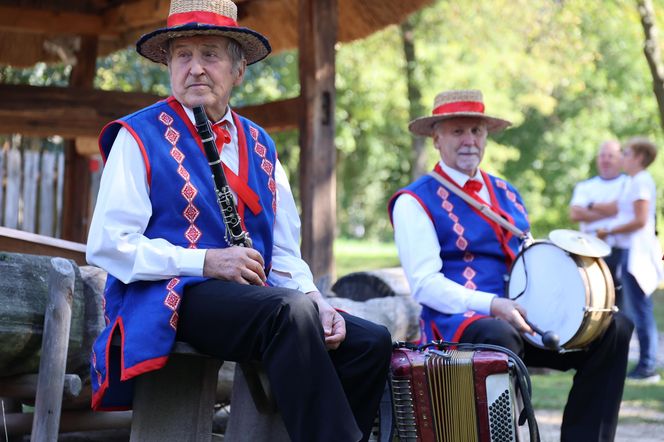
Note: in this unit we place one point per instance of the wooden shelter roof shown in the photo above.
(50, 30)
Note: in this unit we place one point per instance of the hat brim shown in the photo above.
(423, 126)
(153, 45)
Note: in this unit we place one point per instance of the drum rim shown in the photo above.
(578, 341)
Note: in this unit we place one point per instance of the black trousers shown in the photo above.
(322, 395)
(591, 412)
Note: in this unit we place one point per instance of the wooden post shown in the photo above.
(317, 37)
(57, 320)
(76, 210)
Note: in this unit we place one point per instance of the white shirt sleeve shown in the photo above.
(288, 267)
(419, 251)
(115, 241)
(580, 196)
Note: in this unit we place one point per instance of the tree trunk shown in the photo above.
(416, 109)
(653, 53)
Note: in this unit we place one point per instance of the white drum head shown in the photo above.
(548, 284)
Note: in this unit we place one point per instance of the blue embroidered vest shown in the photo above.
(185, 212)
(476, 252)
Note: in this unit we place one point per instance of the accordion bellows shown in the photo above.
(450, 396)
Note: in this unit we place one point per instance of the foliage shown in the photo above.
(568, 74)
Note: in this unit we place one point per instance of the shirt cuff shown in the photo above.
(191, 261)
(481, 302)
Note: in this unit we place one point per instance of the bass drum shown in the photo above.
(568, 294)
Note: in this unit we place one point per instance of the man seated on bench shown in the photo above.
(158, 231)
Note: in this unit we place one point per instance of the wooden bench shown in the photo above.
(176, 402)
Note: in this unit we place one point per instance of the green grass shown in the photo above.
(550, 390)
(358, 255)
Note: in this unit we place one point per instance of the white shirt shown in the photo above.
(116, 242)
(598, 190)
(419, 251)
(645, 252)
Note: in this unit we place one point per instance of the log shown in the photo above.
(381, 296)
(379, 283)
(20, 423)
(55, 342)
(25, 386)
(23, 299)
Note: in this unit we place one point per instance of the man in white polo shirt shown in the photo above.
(602, 188)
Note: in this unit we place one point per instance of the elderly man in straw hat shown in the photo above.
(456, 260)
(158, 231)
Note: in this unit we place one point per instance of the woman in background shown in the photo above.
(641, 254)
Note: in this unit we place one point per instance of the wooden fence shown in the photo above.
(32, 180)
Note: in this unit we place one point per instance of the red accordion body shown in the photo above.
(450, 395)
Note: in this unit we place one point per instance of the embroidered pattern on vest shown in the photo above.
(511, 196)
(192, 234)
(461, 243)
(266, 165)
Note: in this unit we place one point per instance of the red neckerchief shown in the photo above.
(246, 196)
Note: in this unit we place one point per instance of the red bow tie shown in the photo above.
(223, 136)
(472, 186)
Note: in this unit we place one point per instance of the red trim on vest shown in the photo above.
(417, 198)
(506, 235)
(464, 325)
(148, 170)
(96, 398)
(202, 17)
(459, 106)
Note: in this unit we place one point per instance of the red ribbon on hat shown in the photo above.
(204, 17)
(459, 106)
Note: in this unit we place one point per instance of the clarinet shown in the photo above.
(235, 235)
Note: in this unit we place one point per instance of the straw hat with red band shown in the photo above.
(202, 17)
(454, 104)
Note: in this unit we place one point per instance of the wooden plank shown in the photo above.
(81, 112)
(17, 241)
(47, 195)
(60, 186)
(30, 176)
(13, 186)
(3, 161)
(318, 31)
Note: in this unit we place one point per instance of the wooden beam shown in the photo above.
(40, 21)
(18, 241)
(76, 211)
(318, 23)
(139, 14)
(74, 112)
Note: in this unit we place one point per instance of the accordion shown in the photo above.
(452, 395)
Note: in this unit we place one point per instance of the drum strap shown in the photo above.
(481, 207)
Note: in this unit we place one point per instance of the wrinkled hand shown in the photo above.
(511, 312)
(333, 323)
(239, 264)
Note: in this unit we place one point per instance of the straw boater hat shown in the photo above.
(453, 104)
(202, 17)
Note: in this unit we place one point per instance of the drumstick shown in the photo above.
(549, 338)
